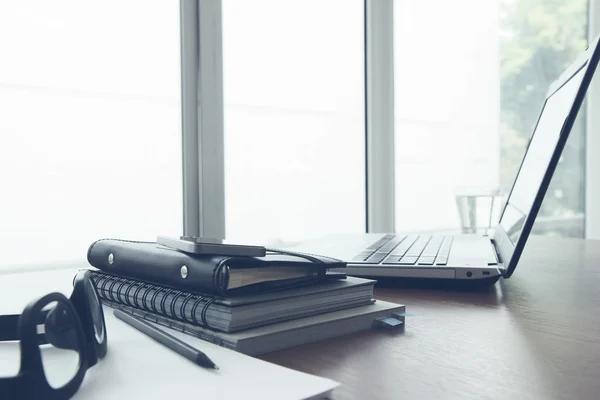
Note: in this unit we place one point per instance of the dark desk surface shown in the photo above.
(533, 336)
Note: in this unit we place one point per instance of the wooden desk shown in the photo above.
(533, 336)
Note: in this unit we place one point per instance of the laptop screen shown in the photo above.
(537, 158)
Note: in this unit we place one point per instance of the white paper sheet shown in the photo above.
(138, 367)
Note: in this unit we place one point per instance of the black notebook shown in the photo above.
(230, 314)
(210, 274)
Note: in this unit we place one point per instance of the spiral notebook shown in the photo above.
(234, 313)
(287, 334)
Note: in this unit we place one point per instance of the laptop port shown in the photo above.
(485, 272)
(469, 274)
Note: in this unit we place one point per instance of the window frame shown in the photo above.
(379, 116)
(592, 140)
(203, 155)
(203, 121)
(203, 117)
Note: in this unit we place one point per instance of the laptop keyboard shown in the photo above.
(407, 250)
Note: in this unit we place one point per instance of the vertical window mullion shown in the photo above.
(202, 118)
(379, 82)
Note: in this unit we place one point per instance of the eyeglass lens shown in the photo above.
(61, 357)
(96, 311)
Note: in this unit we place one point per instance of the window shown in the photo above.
(447, 85)
(539, 39)
(294, 118)
(90, 127)
(91, 116)
(469, 84)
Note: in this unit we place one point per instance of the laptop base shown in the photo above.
(431, 283)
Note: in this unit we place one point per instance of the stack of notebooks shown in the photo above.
(253, 305)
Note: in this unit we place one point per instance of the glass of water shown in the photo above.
(479, 208)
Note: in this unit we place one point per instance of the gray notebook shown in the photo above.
(289, 333)
(234, 313)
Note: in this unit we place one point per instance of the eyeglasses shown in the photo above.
(59, 338)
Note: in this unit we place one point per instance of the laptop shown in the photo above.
(476, 258)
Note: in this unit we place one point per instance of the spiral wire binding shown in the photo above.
(145, 295)
(209, 301)
(162, 303)
(195, 307)
(117, 290)
(172, 307)
(126, 301)
(135, 296)
(101, 285)
(153, 301)
(185, 301)
(127, 295)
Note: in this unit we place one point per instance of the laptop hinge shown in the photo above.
(496, 253)
(499, 264)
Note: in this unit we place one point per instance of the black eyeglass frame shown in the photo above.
(31, 381)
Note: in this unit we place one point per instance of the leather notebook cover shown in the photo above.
(209, 274)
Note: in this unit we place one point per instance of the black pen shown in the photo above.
(166, 339)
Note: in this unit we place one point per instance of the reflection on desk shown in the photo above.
(533, 336)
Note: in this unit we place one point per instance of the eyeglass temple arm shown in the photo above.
(9, 328)
(10, 386)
